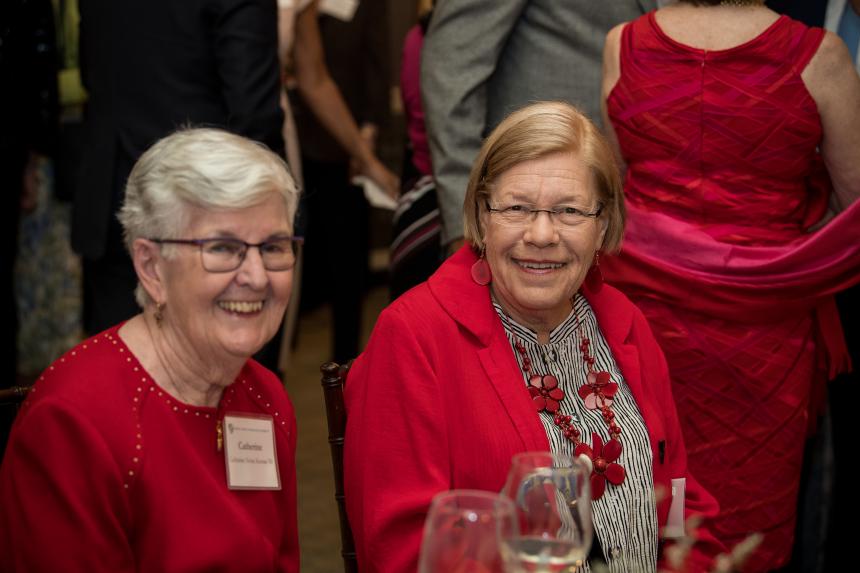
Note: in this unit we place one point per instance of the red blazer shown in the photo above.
(437, 402)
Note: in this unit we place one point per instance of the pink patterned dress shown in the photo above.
(724, 180)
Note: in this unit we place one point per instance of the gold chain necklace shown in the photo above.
(742, 3)
(167, 373)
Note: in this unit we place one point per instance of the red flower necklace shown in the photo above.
(598, 393)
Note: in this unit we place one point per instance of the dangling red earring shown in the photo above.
(594, 278)
(481, 273)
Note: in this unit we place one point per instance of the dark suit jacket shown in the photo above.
(151, 67)
(28, 74)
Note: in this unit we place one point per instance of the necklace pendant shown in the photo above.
(603, 462)
(598, 391)
(596, 400)
(545, 392)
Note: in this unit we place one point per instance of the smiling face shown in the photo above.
(233, 312)
(537, 267)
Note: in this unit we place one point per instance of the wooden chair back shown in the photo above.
(333, 381)
(14, 395)
(10, 400)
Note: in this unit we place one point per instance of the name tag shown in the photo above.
(250, 453)
(675, 523)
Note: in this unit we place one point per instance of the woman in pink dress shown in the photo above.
(726, 115)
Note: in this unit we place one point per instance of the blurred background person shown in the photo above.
(483, 59)
(47, 273)
(726, 115)
(515, 345)
(150, 68)
(305, 71)
(416, 248)
(335, 216)
(28, 139)
(115, 461)
(303, 65)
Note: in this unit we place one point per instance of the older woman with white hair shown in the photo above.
(159, 444)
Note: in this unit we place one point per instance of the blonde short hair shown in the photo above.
(536, 131)
(203, 167)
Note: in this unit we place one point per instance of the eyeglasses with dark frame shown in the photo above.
(565, 215)
(226, 254)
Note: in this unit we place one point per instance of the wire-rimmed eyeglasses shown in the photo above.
(520, 215)
(222, 255)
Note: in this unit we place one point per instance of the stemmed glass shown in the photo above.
(552, 494)
(463, 530)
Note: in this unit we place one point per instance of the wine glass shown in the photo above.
(552, 494)
(463, 530)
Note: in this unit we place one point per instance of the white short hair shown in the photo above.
(205, 167)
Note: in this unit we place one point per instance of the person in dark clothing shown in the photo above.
(28, 129)
(336, 224)
(416, 251)
(150, 68)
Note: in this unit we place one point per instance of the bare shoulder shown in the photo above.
(613, 37)
(611, 57)
(834, 84)
(831, 57)
(612, 47)
(830, 71)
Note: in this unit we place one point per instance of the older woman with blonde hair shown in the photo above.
(159, 444)
(513, 345)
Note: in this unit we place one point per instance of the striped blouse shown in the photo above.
(625, 518)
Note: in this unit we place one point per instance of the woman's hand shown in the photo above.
(370, 166)
(374, 169)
